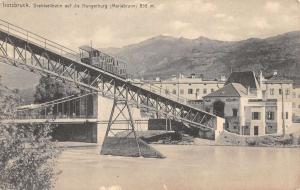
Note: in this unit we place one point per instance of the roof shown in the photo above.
(278, 79)
(246, 78)
(87, 48)
(230, 90)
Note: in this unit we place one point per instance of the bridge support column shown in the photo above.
(124, 140)
(219, 127)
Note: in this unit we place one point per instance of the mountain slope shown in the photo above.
(163, 55)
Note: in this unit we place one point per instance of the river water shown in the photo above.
(186, 167)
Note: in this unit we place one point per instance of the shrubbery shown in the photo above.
(27, 153)
(27, 157)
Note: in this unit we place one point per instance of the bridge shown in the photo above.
(28, 51)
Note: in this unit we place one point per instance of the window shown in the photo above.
(234, 127)
(167, 91)
(173, 91)
(234, 112)
(204, 91)
(287, 91)
(181, 91)
(280, 91)
(272, 91)
(190, 91)
(270, 126)
(286, 115)
(270, 115)
(255, 115)
(212, 90)
(190, 84)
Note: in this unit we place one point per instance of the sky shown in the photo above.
(228, 20)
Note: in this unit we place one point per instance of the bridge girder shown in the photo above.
(31, 52)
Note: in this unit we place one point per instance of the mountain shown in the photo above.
(15, 77)
(164, 55)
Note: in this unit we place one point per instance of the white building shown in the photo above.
(252, 107)
(296, 103)
(191, 88)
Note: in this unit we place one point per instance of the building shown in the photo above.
(296, 103)
(251, 106)
(191, 89)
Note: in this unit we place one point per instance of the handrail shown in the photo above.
(45, 43)
(57, 101)
(30, 36)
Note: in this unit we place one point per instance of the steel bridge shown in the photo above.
(34, 53)
(29, 51)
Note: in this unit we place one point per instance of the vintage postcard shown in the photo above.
(150, 94)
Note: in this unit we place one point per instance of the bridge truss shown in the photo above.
(31, 52)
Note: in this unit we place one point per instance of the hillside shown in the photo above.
(164, 55)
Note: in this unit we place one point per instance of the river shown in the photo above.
(186, 167)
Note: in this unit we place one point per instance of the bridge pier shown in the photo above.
(103, 111)
(220, 122)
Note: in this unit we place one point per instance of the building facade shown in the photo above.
(251, 106)
(296, 104)
(191, 89)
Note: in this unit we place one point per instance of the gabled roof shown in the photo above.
(246, 78)
(229, 90)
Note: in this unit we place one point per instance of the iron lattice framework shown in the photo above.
(28, 51)
(74, 106)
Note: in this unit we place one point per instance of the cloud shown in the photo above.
(224, 17)
(161, 7)
(272, 7)
(177, 25)
(183, 29)
(207, 7)
(220, 15)
(260, 23)
(195, 6)
(190, 18)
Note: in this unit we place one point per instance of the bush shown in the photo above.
(251, 142)
(27, 157)
(27, 154)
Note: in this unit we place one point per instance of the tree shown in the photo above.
(27, 152)
(50, 89)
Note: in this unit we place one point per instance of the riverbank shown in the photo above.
(225, 138)
(232, 139)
